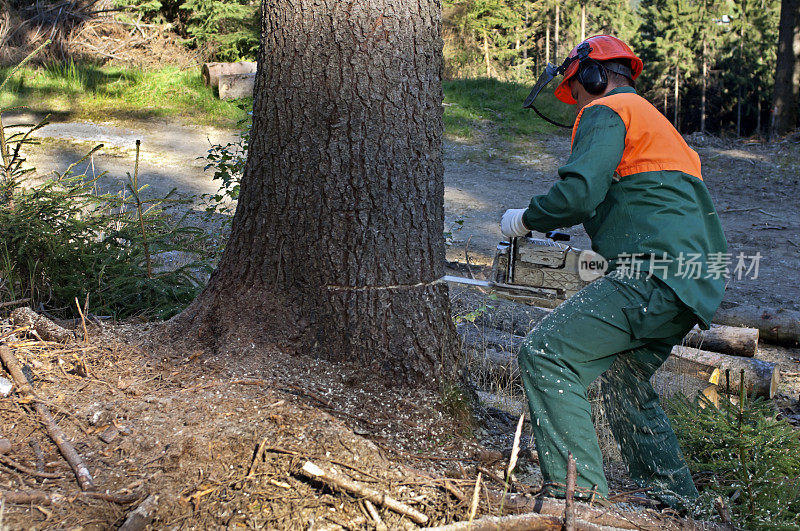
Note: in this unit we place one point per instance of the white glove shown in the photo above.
(511, 225)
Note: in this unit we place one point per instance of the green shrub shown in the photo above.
(228, 162)
(744, 454)
(62, 241)
(227, 30)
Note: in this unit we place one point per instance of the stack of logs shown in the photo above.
(720, 361)
(232, 80)
(712, 363)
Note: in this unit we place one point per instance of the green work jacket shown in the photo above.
(636, 187)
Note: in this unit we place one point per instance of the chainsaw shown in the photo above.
(543, 272)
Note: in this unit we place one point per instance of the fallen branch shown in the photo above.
(376, 518)
(312, 471)
(31, 497)
(13, 303)
(531, 522)
(47, 329)
(586, 514)
(64, 446)
(120, 499)
(37, 450)
(569, 496)
(27, 470)
(38, 497)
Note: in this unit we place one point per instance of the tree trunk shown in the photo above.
(486, 54)
(784, 101)
(705, 89)
(555, 37)
(525, 49)
(739, 90)
(583, 22)
(758, 117)
(675, 116)
(547, 43)
(337, 248)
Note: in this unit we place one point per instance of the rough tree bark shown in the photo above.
(784, 98)
(337, 245)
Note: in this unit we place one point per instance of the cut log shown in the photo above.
(211, 72)
(236, 86)
(31, 497)
(761, 378)
(668, 384)
(692, 368)
(528, 522)
(504, 403)
(733, 340)
(781, 327)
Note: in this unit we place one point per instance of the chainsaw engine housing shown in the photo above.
(541, 271)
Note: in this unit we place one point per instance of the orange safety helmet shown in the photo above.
(603, 48)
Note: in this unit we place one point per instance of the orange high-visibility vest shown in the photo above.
(651, 143)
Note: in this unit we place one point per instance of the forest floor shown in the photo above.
(220, 438)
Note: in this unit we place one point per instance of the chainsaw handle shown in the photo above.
(557, 236)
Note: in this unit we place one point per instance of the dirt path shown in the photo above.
(755, 188)
(171, 152)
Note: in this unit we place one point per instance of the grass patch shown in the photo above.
(86, 91)
(476, 107)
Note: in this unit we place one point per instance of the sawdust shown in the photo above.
(221, 441)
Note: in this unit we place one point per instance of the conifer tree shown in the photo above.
(666, 44)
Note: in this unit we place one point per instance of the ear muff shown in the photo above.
(592, 75)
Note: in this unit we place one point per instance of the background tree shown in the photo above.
(747, 62)
(784, 103)
(493, 22)
(666, 45)
(336, 246)
(612, 17)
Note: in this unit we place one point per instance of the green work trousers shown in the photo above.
(625, 328)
